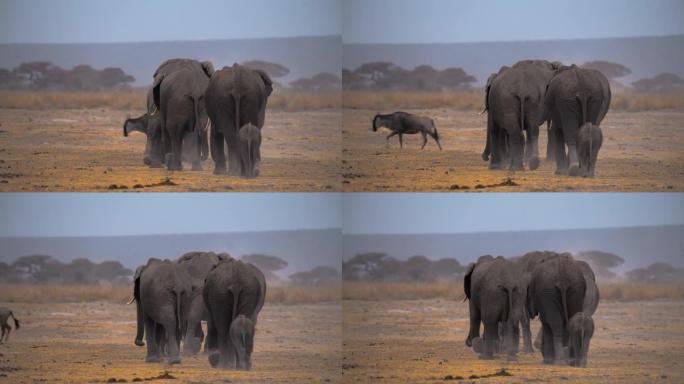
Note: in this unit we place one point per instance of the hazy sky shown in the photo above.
(79, 21)
(440, 21)
(383, 213)
(84, 214)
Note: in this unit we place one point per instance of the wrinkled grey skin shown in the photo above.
(580, 332)
(233, 288)
(514, 100)
(5, 314)
(180, 99)
(242, 336)
(162, 292)
(589, 140)
(574, 96)
(149, 124)
(249, 144)
(197, 265)
(236, 96)
(402, 123)
(495, 296)
(556, 293)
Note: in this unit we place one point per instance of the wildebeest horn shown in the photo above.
(483, 110)
(131, 300)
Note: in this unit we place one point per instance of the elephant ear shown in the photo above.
(466, 281)
(208, 68)
(156, 87)
(267, 81)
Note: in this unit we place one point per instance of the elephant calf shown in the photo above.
(5, 314)
(401, 123)
(580, 332)
(589, 140)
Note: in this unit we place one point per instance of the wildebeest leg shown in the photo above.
(9, 329)
(3, 333)
(388, 137)
(424, 140)
(217, 151)
(401, 141)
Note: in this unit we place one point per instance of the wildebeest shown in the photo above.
(5, 314)
(401, 123)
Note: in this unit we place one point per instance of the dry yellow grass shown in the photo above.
(135, 100)
(474, 100)
(29, 293)
(412, 291)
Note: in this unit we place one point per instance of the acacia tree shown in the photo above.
(274, 70)
(609, 69)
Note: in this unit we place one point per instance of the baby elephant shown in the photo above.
(249, 139)
(580, 331)
(401, 123)
(5, 314)
(242, 336)
(589, 140)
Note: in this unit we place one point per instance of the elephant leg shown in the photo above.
(547, 344)
(561, 158)
(217, 151)
(527, 334)
(491, 338)
(570, 128)
(172, 342)
(532, 147)
(151, 337)
(495, 145)
(234, 163)
(512, 339)
(550, 143)
(424, 140)
(225, 358)
(211, 342)
(474, 324)
(557, 344)
(516, 141)
(175, 163)
(194, 334)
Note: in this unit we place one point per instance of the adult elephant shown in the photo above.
(574, 96)
(149, 124)
(495, 297)
(515, 105)
(236, 96)
(198, 265)
(556, 293)
(162, 292)
(234, 293)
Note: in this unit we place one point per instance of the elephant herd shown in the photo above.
(173, 298)
(506, 294)
(190, 105)
(518, 99)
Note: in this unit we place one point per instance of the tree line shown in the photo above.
(378, 266)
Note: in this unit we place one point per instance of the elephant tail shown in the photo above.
(236, 96)
(16, 321)
(509, 294)
(522, 112)
(583, 107)
(236, 296)
(196, 126)
(564, 302)
(179, 326)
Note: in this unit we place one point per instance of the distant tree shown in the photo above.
(601, 262)
(265, 262)
(659, 83)
(376, 266)
(113, 77)
(610, 70)
(317, 276)
(273, 70)
(320, 82)
(656, 273)
(383, 75)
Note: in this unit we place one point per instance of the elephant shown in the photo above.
(589, 140)
(197, 265)
(514, 104)
(574, 96)
(5, 314)
(231, 289)
(162, 291)
(401, 123)
(580, 332)
(236, 96)
(180, 99)
(149, 124)
(495, 296)
(556, 293)
(249, 143)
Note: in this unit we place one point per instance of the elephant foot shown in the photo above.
(561, 171)
(534, 163)
(485, 157)
(196, 166)
(560, 362)
(485, 357)
(478, 345)
(494, 166)
(548, 361)
(528, 349)
(511, 358)
(573, 170)
(156, 165)
(220, 171)
(139, 343)
(174, 360)
(152, 359)
(214, 358)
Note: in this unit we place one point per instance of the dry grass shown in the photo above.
(135, 100)
(454, 291)
(474, 100)
(28, 293)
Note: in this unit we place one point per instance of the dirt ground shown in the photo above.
(84, 150)
(93, 343)
(423, 341)
(642, 151)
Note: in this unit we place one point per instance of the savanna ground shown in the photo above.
(643, 147)
(422, 341)
(73, 141)
(92, 342)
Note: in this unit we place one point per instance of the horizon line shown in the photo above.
(171, 41)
